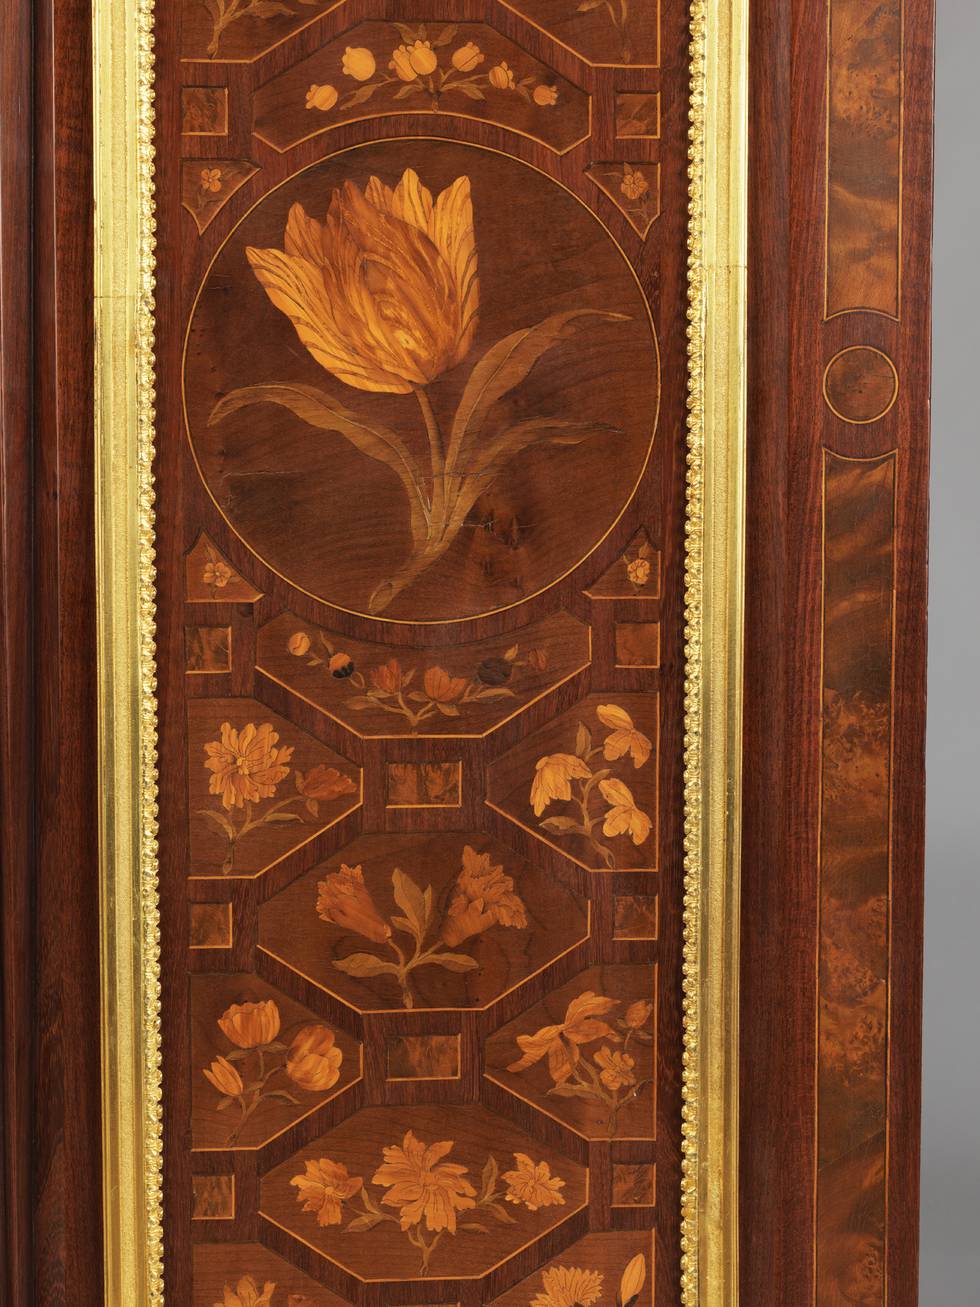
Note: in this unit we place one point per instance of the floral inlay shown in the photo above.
(260, 1065)
(246, 1293)
(432, 1197)
(482, 898)
(247, 766)
(415, 693)
(574, 1286)
(599, 800)
(639, 565)
(225, 12)
(607, 1075)
(385, 295)
(418, 64)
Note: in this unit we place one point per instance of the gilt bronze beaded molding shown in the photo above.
(123, 71)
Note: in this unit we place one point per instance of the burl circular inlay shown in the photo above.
(860, 384)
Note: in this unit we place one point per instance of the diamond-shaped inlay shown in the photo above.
(586, 782)
(258, 787)
(432, 1192)
(375, 69)
(261, 1062)
(465, 689)
(445, 920)
(586, 1054)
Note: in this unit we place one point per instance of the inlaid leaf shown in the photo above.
(504, 366)
(453, 961)
(321, 410)
(489, 1178)
(219, 819)
(560, 825)
(365, 964)
(410, 899)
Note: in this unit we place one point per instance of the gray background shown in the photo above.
(951, 1110)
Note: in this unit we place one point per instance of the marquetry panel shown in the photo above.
(421, 343)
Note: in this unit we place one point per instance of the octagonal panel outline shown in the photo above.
(548, 1013)
(251, 784)
(214, 995)
(360, 909)
(356, 1143)
(482, 664)
(542, 771)
(575, 50)
(220, 1264)
(272, 44)
(356, 90)
(605, 1251)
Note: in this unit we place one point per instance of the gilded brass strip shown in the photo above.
(129, 935)
(717, 242)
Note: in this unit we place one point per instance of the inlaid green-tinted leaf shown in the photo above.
(219, 819)
(571, 1091)
(267, 9)
(321, 410)
(453, 961)
(560, 825)
(468, 89)
(410, 899)
(501, 1213)
(365, 964)
(402, 923)
(489, 1178)
(363, 1223)
(583, 740)
(362, 94)
(504, 366)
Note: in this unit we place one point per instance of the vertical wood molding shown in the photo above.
(16, 655)
(855, 383)
(67, 1195)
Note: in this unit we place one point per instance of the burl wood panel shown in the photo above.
(864, 155)
(421, 317)
(855, 879)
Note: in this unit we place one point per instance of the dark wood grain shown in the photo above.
(790, 346)
(17, 778)
(67, 1195)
